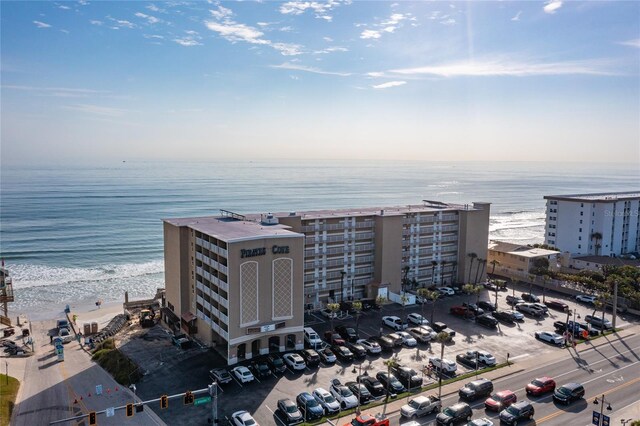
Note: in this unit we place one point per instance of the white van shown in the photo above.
(311, 337)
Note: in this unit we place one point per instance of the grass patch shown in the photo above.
(591, 338)
(8, 392)
(406, 394)
(123, 370)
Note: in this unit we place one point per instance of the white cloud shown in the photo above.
(287, 49)
(156, 36)
(234, 31)
(329, 39)
(389, 84)
(221, 13)
(449, 21)
(296, 67)
(286, 29)
(40, 24)
(187, 41)
(60, 92)
(150, 19)
(631, 43)
(331, 50)
(366, 34)
(375, 74)
(152, 7)
(97, 110)
(63, 7)
(517, 16)
(122, 23)
(552, 5)
(490, 68)
(95, 22)
(321, 9)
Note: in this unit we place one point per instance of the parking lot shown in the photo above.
(260, 397)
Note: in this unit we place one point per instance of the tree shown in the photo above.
(390, 363)
(468, 289)
(454, 270)
(494, 263)
(433, 271)
(442, 338)
(431, 296)
(480, 263)
(472, 256)
(357, 307)
(598, 237)
(442, 266)
(333, 308)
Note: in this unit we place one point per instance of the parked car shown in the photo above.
(504, 317)
(461, 311)
(487, 306)
(455, 414)
(620, 307)
(417, 319)
(557, 305)
(370, 345)
(260, 369)
(514, 300)
(357, 350)
(390, 382)
(294, 361)
(586, 326)
(333, 338)
(327, 356)
(311, 358)
(522, 410)
(409, 378)
(444, 365)
(343, 354)
(385, 343)
(500, 400)
(327, 401)
(396, 338)
(360, 391)
(347, 333)
(517, 316)
(550, 337)
(446, 291)
(568, 393)
(483, 357)
(309, 406)
(421, 406)
(476, 389)
(487, 320)
(407, 339)
(530, 309)
(243, 374)
(422, 334)
(276, 363)
(542, 307)
(343, 394)
(541, 385)
(585, 298)
(438, 326)
(480, 422)
(243, 418)
(220, 376)
(597, 322)
(290, 411)
(394, 322)
(328, 313)
(474, 308)
(373, 385)
(530, 297)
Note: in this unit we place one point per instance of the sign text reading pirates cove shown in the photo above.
(263, 250)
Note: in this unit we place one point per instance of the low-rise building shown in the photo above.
(517, 259)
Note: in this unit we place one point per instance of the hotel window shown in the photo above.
(579, 246)
(580, 221)
(581, 213)
(580, 229)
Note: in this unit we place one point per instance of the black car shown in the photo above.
(349, 334)
(343, 354)
(476, 389)
(357, 350)
(487, 320)
(373, 385)
(487, 306)
(327, 356)
(407, 376)
(260, 369)
(568, 393)
(522, 410)
(390, 382)
(385, 343)
(530, 297)
(276, 363)
(474, 308)
(309, 406)
(438, 326)
(455, 414)
(360, 391)
(289, 411)
(557, 305)
(504, 317)
(311, 358)
(368, 304)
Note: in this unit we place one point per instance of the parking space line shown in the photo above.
(236, 380)
(258, 380)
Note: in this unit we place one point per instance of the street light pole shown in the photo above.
(213, 391)
(601, 402)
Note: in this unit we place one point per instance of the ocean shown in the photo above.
(77, 233)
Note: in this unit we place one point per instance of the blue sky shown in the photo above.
(513, 81)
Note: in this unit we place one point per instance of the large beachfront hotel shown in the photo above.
(241, 283)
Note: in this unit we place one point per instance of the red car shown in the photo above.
(541, 385)
(557, 305)
(461, 311)
(501, 400)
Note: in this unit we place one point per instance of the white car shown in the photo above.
(329, 313)
(586, 299)
(423, 334)
(344, 396)
(294, 361)
(417, 319)
(371, 346)
(515, 314)
(394, 322)
(328, 401)
(446, 291)
(549, 336)
(243, 374)
(480, 422)
(483, 356)
(243, 418)
(407, 339)
(444, 364)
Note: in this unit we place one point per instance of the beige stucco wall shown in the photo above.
(176, 267)
(474, 238)
(388, 251)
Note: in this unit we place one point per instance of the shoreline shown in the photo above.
(86, 312)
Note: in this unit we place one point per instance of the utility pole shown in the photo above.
(614, 315)
(213, 391)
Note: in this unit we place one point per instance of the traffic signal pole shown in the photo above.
(123, 407)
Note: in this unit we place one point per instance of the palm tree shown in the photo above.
(484, 265)
(333, 308)
(454, 275)
(442, 266)
(390, 363)
(442, 338)
(479, 261)
(494, 263)
(433, 271)
(531, 279)
(357, 307)
(432, 296)
(468, 289)
(544, 287)
(472, 256)
(379, 301)
(598, 237)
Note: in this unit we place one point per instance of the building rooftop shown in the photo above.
(597, 197)
(519, 250)
(230, 229)
(608, 260)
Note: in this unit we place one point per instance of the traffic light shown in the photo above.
(188, 398)
(164, 402)
(129, 410)
(92, 418)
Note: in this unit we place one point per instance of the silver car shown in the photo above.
(327, 401)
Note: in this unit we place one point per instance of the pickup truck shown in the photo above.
(368, 420)
(421, 406)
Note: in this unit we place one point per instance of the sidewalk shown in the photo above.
(515, 367)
